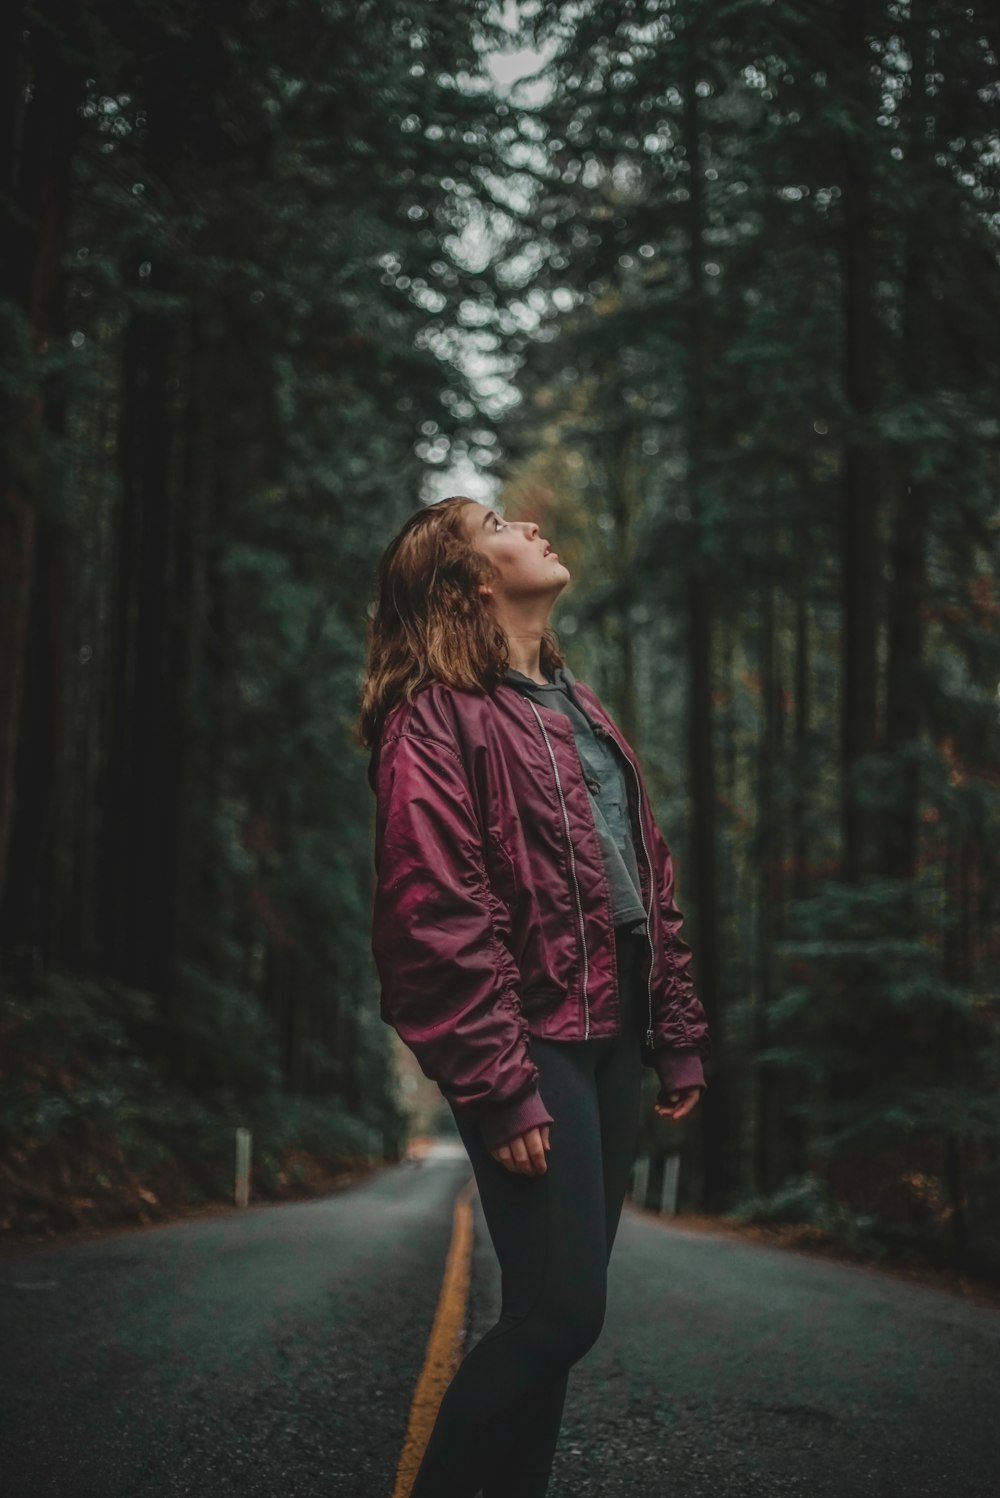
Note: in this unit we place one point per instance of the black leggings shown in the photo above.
(499, 1419)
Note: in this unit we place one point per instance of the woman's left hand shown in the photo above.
(679, 1103)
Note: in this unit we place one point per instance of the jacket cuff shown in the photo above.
(677, 1070)
(503, 1122)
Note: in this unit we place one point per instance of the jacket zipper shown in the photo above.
(649, 866)
(572, 863)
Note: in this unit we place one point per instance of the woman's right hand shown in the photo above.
(525, 1155)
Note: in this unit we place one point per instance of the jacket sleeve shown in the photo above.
(677, 1070)
(449, 984)
(682, 1041)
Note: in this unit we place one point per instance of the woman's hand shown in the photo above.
(525, 1155)
(679, 1103)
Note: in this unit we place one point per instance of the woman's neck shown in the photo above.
(528, 665)
(524, 628)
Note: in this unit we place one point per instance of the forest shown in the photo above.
(712, 291)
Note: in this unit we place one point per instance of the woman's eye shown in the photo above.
(498, 523)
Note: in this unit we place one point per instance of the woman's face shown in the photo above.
(522, 557)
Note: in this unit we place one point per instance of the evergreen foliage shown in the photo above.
(226, 306)
(761, 245)
(736, 270)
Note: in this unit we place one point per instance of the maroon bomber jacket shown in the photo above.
(492, 917)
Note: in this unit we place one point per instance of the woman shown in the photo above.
(529, 953)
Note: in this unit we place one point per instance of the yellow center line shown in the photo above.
(444, 1346)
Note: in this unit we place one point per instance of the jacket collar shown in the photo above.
(563, 676)
(560, 674)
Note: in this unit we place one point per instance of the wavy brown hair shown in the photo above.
(429, 621)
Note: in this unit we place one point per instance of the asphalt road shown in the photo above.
(275, 1352)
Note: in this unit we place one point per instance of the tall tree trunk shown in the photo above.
(861, 561)
(957, 971)
(904, 699)
(40, 137)
(768, 1133)
(135, 873)
(793, 1126)
(798, 812)
(197, 884)
(142, 794)
(88, 608)
(621, 502)
(716, 1132)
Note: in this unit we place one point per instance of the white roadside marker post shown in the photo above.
(242, 1167)
(640, 1180)
(671, 1176)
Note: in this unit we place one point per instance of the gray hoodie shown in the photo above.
(604, 776)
